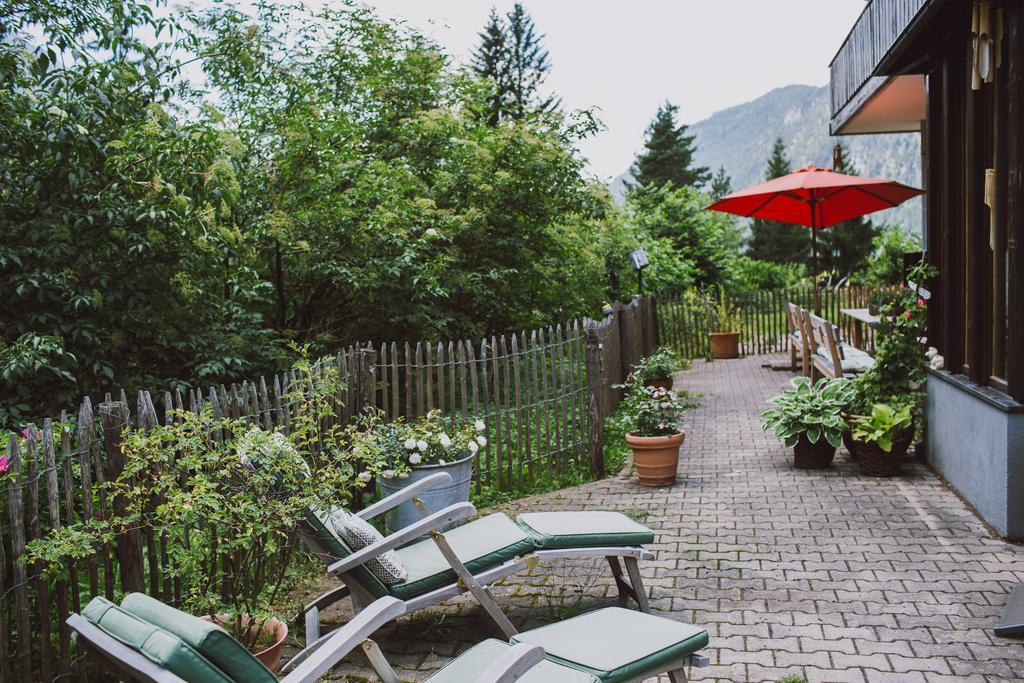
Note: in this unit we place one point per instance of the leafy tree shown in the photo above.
(773, 240)
(845, 248)
(120, 263)
(709, 240)
(721, 184)
(885, 267)
(668, 154)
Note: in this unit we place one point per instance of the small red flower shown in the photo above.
(920, 303)
(4, 465)
(907, 315)
(902, 286)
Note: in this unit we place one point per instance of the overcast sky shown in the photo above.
(624, 58)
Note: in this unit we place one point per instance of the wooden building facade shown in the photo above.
(954, 71)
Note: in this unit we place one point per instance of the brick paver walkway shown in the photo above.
(826, 574)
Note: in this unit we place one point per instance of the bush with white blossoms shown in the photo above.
(392, 449)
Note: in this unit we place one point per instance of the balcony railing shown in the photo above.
(879, 27)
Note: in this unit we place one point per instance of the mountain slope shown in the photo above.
(740, 139)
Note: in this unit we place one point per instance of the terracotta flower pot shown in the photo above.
(665, 384)
(271, 656)
(725, 344)
(813, 456)
(875, 462)
(656, 457)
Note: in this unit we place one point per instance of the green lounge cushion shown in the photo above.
(164, 649)
(582, 529)
(316, 519)
(207, 638)
(617, 644)
(474, 661)
(480, 544)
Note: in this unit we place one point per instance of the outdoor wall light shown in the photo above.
(638, 257)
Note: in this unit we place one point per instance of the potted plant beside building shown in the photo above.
(809, 419)
(652, 416)
(882, 439)
(656, 370)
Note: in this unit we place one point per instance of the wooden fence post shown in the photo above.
(114, 419)
(595, 391)
(367, 379)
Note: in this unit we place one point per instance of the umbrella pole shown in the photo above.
(814, 270)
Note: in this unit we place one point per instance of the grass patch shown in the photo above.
(616, 454)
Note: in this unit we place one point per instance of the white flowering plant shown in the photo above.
(653, 411)
(393, 449)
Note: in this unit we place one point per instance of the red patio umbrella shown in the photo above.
(818, 198)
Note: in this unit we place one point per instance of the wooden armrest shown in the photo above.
(452, 513)
(395, 499)
(512, 664)
(309, 665)
(123, 660)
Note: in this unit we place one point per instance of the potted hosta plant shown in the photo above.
(722, 319)
(809, 419)
(403, 452)
(656, 370)
(652, 416)
(881, 439)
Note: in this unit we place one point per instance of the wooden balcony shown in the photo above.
(854, 71)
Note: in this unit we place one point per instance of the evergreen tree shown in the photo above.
(721, 184)
(511, 55)
(772, 240)
(845, 248)
(491, 61)
(668, 154)
(528, 65)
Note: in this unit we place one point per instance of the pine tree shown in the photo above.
(490, 60)
(845, 248)
(668, 154)
(511, 55)
(772, 240)
(528, 65)
(721, 184)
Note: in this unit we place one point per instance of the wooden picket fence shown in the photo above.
(542, 395)
(762, 315)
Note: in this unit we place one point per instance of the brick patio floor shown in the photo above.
(826, 574)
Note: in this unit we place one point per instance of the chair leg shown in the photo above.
(469, 582)
(792, 357)
(635, 580)
(625, 590)
(678, 675)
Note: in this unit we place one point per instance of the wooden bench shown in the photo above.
(828, 356)
(796, 340)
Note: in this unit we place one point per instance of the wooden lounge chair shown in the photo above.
(795, 339)
(829, 357)
(473, 554)
(151, 642)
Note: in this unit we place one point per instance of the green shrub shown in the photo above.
(815, 411)
(661, 364)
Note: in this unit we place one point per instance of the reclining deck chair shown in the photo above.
(472, 555)
(145, 640)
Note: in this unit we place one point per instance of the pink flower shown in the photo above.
(920, 303)
(907, 315)
(4, 465)
(901, 286)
